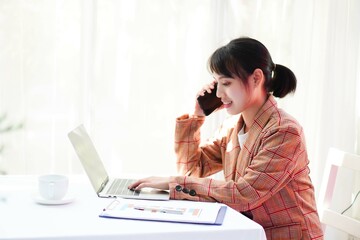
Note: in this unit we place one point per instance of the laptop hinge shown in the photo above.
(103, 184)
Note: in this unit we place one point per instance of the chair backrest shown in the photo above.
(335, 160)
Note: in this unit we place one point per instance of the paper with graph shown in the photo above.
(168, 211)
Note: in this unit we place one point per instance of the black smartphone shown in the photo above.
(209, 102)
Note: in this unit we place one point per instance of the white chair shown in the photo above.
(335, 160)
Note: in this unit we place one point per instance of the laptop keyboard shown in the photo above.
(120, 187)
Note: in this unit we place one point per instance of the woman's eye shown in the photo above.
(225, 83)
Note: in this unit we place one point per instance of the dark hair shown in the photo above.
(241, 56)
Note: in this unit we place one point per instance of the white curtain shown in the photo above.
(127, 69)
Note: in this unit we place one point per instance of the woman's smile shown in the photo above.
(227, 104)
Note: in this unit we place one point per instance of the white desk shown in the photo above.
(22, 218)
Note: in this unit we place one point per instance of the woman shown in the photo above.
(261, 151)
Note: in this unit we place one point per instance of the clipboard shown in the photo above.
(177, 211)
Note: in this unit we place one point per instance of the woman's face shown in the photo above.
(235, 96)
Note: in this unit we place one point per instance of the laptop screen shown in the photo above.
(89, 157)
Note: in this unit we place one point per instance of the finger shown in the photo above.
(201, 93)
(134, 184)
(141, 186)
(206, 88)
(209, 88)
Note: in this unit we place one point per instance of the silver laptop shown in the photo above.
(94, 168)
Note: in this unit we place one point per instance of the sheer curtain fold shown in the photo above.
(127, 69)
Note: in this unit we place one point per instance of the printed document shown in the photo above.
(180, 211)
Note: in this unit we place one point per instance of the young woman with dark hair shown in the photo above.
(260, 149)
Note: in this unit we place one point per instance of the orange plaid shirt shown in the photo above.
(267, 180)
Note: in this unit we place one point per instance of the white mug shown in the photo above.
(53, 186)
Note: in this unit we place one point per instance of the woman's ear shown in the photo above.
(257, 77)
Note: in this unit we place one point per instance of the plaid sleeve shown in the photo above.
(191, 158)
(271, 168)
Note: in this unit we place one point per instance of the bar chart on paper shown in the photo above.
(169, 211)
